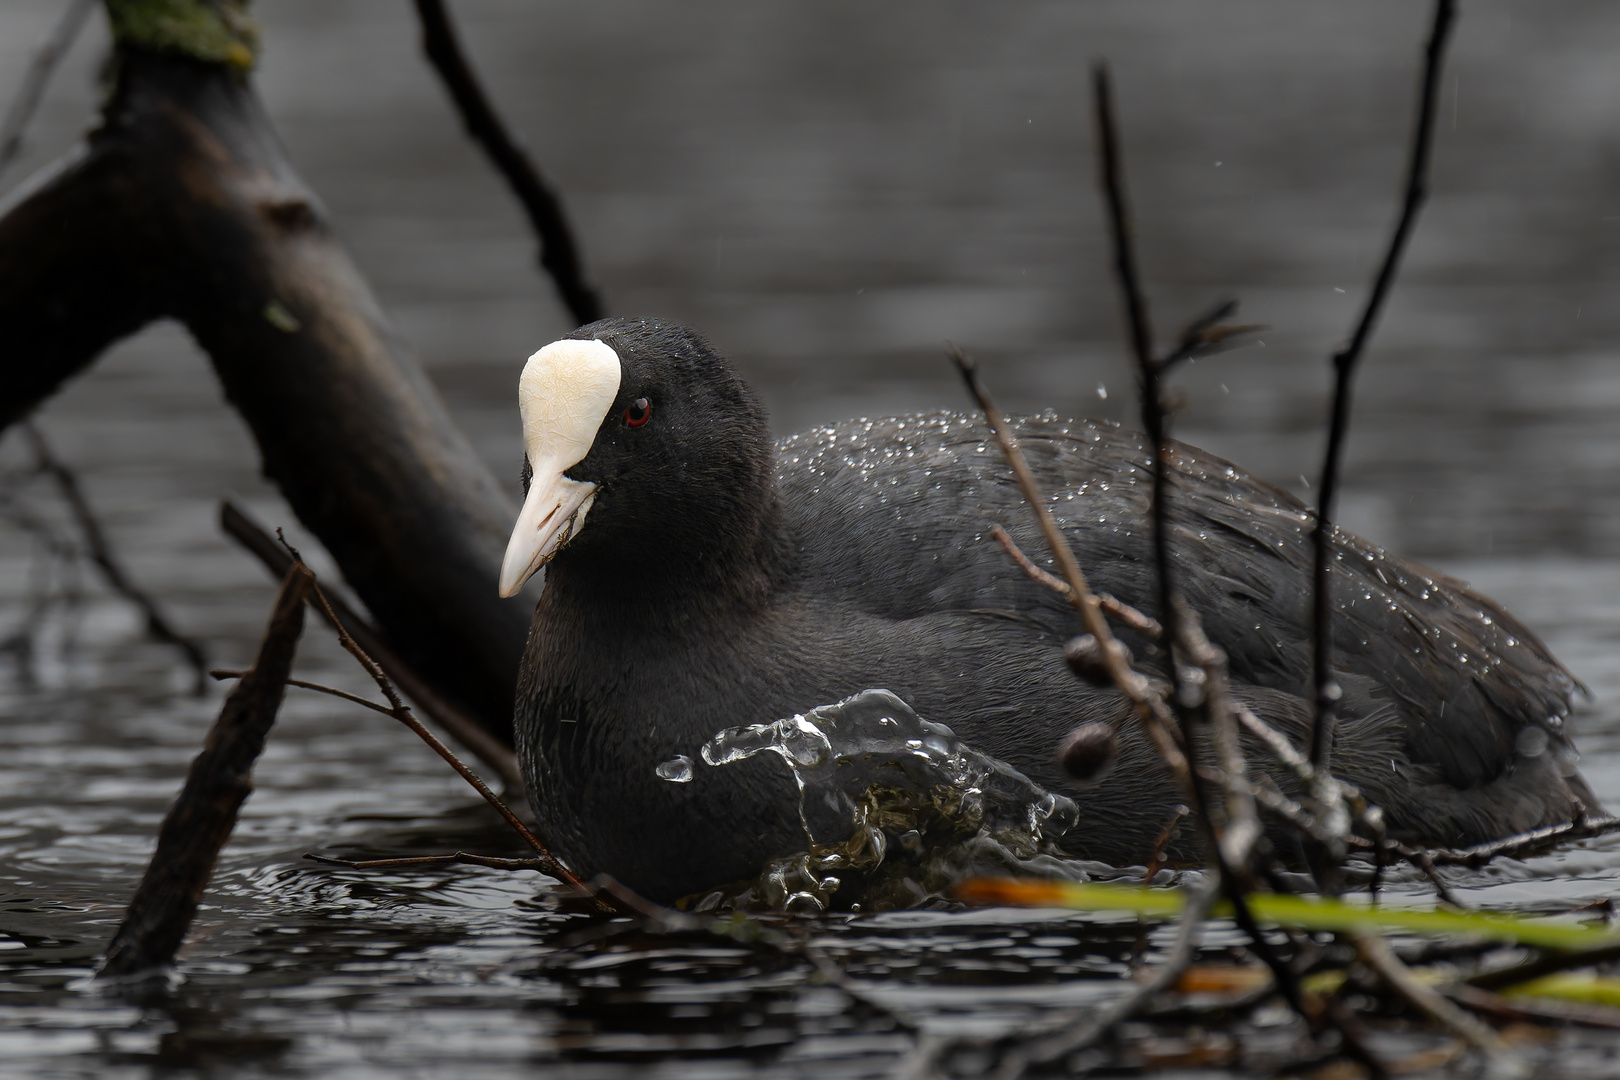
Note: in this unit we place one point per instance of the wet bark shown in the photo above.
(182, 204)
(201, 819)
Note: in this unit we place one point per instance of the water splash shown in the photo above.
(895, 809)
(677, 770)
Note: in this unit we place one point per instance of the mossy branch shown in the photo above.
(213, 31)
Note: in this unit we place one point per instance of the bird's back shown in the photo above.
(893, 518)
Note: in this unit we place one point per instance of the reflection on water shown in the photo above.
(829, 191)
(305, 970)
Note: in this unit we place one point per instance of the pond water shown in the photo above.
(830, 193)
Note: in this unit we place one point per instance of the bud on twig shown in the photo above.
(1089, 751)
(1087, 659)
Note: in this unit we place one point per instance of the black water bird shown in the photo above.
(700, 577)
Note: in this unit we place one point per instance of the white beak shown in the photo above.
(564, 394)
(552, 515)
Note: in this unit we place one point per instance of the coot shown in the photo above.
(699, 577)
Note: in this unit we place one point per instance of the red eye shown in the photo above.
(638, 412)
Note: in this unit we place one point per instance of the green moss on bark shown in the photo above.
(215, 31)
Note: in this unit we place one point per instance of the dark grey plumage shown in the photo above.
(714, 586)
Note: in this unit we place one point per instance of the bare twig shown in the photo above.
(401, 712)
(100, 551)
(1534, 1010)
(1207, 334)
(1241, 830)
(201, 819)
(1140, 334)
(57, 552)
(1425, 865)
(1526, 843)
(466, 731)
(1376, 954)
(1344, 366)
(1128, 615)
(1117, 609)
(320, 688)
(1229, 847)
(559, 253)
(1077, 1029)
(1551, 964)
(1149, 707)
(1149, 704)
(1156, 860)
(1027, 565)
(40, 68)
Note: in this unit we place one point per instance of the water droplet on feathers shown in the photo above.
(677, 770)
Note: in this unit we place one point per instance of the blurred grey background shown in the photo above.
(831, 191)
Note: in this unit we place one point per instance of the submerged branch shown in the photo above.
(200, 821)
(1079, 1028)
(1375, 952)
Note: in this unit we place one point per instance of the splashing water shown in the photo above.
(677, 770)
(895, 809)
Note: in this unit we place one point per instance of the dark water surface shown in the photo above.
(830, 191)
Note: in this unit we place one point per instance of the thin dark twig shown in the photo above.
(1551, 964)
(40, 68)
(1344, 367)
(1111, 606)
(100, 551)
(559, 253)
(1425, 865)
(1119, 222)
(1206, 334)
(466, 731)
(1156, 859)
(320, 688)
(1375, 952)
(1078, 1029)
(1150, 707)
(57, 553)
(402, 712)
(1180, 634)
(1527, 843)
(1141, 338)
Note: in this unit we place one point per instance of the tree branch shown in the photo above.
(201, 819)
(182, 203)
(40, 68)
(498, 757)
(95, 541)
(559, 254)
(1344, 366)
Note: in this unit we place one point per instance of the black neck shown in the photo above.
(735, 561)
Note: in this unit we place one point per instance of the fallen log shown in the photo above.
(182, 204)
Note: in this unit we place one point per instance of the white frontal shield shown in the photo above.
(564, 394)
